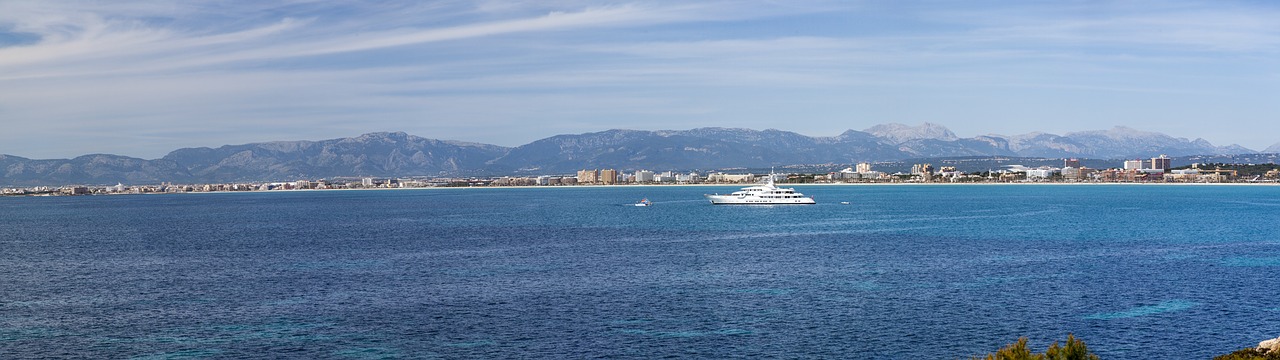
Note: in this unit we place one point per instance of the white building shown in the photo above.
(864, 168)
(735, 178)
(644, 176)
(689, 178)
(1041, 173)
(1133, 164)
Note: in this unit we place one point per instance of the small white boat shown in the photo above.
(644, 202)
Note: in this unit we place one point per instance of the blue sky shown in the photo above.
(141, 78)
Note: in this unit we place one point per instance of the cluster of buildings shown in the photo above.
(615, 177)
(167, 188)
(1157, 169)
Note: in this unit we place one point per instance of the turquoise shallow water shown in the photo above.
(901, 272)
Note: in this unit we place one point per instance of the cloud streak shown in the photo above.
(445, 69)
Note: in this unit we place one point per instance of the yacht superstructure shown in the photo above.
(764, 194)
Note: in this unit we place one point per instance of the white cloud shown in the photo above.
(331, 67)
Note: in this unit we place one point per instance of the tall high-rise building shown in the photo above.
(588, 176)
(1071, 163)
(924, 170)
(1133, 164)
(1162, 163)
(608, 176)
(864, 167)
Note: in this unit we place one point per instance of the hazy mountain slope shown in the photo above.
(899, 133)
(701, 148)
(374, 154)
(958, 147)
(1123, 142)
(400, 154)
(96, 169)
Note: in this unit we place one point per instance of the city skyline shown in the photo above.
(143, 78)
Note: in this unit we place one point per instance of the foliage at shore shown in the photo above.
(1074, 349)
(1249, 354)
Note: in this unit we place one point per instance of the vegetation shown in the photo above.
(1249, 354)
(801, 179)
(1243, 169)
(1074, 349)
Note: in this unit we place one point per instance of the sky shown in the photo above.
(142, 78)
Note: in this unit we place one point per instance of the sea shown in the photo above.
(870, 272)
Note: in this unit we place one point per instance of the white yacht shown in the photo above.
(766, 194)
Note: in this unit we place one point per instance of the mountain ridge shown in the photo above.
(386, 154)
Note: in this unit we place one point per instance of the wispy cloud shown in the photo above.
(458, 69)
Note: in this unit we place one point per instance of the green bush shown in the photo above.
(1073, 350)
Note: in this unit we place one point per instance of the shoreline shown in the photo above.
(908, 184)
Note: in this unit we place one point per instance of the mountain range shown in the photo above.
(389, 154)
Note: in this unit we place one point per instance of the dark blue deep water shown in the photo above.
(903, 272)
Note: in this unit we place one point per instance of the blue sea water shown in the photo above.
(902, 272)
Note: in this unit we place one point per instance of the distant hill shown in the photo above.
(375, 154)
(90, 169)
(1123, 142)
(390, 154)
(690, 149)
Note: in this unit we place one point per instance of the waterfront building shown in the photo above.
(1071, 163)
(1071, 173)
(689, 178)
(925, 171)
(1133, 164)
(847, 173)
(950, 172)
(588, 176)
(1162, 163)
(644, 176)
(727, 178)
(1183, 175)
(608, 176)
(864, 167)
(1041, 173)
(1077, 174)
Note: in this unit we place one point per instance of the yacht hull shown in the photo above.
(749, 200)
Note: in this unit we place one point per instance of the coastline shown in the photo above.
(905, 184)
